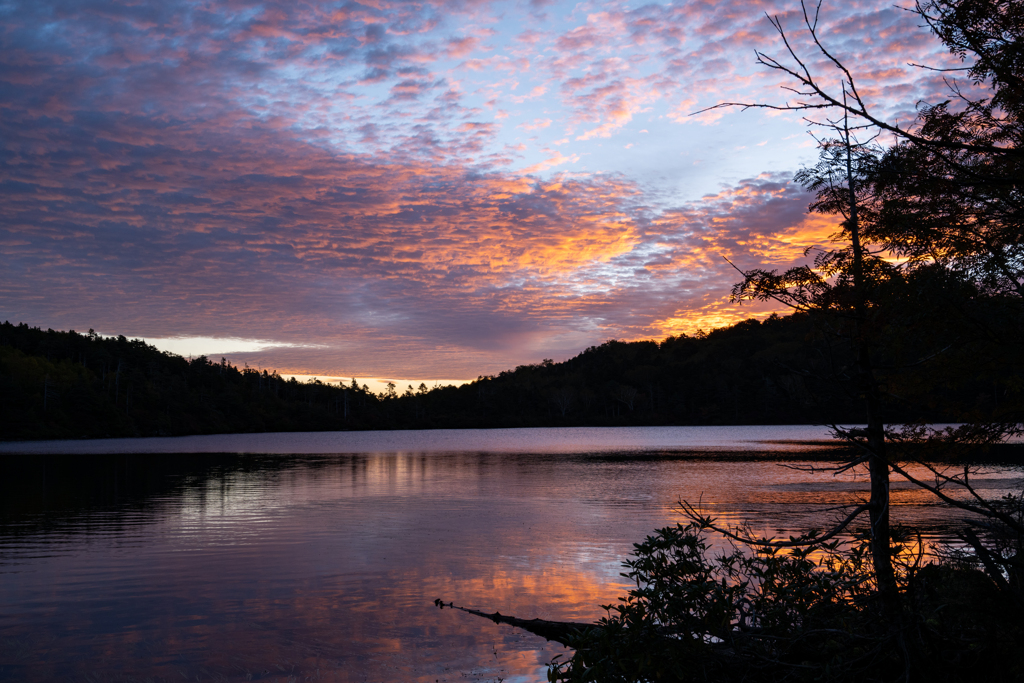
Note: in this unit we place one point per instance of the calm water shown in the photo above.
(298, 557)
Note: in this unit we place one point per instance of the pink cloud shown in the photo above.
(305, 171)
(533, 94)
(460, 47)
(530, 37)
(536, 125)
(556, 159)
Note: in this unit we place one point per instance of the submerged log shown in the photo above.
(562, 632)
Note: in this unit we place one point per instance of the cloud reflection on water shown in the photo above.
(214, 565)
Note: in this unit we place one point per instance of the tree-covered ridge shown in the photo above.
(71, 385)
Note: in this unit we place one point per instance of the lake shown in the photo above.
(292, 557)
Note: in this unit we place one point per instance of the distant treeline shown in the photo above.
(70, 385)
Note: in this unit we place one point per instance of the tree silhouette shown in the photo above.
(912, 287)
(847, 284)
(939, 213)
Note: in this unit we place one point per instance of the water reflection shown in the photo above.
(777, 438)
(261, 567)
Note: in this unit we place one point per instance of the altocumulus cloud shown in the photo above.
(372, 187)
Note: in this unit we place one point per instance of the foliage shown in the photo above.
(950, 192)
(762, 614)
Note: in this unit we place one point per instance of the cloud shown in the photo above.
(256, 234)
(460, 47)
(556, 159)
(533, 94)
(536, 125)
(325, 174)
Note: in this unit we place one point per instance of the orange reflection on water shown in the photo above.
(327, 566)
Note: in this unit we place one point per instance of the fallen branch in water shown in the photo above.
(558, 631)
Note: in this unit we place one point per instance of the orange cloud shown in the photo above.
(308, 172)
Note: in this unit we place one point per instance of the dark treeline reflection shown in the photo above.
(61, 492)
(69, 385)
(41, 491)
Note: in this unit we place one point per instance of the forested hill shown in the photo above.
(70, 385)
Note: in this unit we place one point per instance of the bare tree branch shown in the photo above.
(796, 542)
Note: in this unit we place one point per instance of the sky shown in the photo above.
(417, 189)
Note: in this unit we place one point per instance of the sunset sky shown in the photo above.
(409, 189)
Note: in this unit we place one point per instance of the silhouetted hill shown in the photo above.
(68, 385)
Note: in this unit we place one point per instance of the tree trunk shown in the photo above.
(878, 467)
(878, 471)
